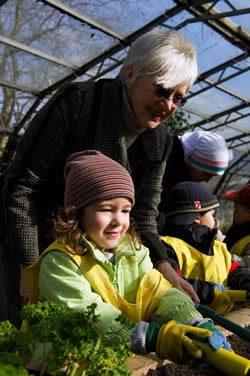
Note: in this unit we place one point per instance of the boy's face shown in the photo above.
(106, 221)
(241, 213)
(208, 219)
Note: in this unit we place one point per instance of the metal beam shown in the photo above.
(113, 50)
(230, 125)
(92, 63)
(239, 145)
(226, 90)
(33, 51)
(208, 119)
(233, 33)
(104, 63)
(81, 17)
(220, 123)
(22, 88)
(217, 84)
(247, 133)
(220, 67)
(215, 16)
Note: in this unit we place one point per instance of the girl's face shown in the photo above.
(106, 221)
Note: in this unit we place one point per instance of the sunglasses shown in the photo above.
(162, 93)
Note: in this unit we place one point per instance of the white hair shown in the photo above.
(167, 56)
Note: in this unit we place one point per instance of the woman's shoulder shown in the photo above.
(79, 88)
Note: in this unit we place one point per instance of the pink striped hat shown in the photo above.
(91, 176)
(205, 151)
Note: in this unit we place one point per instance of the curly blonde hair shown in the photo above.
(66, 227)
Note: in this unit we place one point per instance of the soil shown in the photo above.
(239, 346)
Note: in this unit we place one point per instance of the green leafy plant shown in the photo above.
(11, 365)
(13, 349)
(75, 344)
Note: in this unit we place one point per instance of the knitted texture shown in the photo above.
(208, 325)
(138, 338)
(186, 200)
(82, 116)
(151, 336)
(91, 176)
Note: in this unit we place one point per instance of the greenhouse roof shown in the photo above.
(46, 43)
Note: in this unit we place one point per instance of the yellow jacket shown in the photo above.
(196, 265)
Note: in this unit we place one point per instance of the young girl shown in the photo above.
(98, 258)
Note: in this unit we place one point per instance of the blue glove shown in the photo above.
(221, 288)
(217, 340)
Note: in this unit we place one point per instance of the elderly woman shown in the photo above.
(196, 156)
(119, 117)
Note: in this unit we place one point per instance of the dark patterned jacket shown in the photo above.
(78, 117)
(175, 172)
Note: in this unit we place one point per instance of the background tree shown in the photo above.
(177, 122)
(33, 23)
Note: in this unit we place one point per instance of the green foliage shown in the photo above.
(12, 340)
(11, 365)
(76, 345)
(177, 122)
(10, 370)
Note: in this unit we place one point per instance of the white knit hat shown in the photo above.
(206, 151)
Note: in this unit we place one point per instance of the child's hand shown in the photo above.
(178, 282)
(176, 342)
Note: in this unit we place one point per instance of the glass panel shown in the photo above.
(212, 48)
(40, 26)
(30, 71)
(123, 16)
(243, 19)
(56, 34)
(220, 102)
(238, 84)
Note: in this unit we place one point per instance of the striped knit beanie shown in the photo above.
(206, 151)
(90, 176)
(186, 200)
